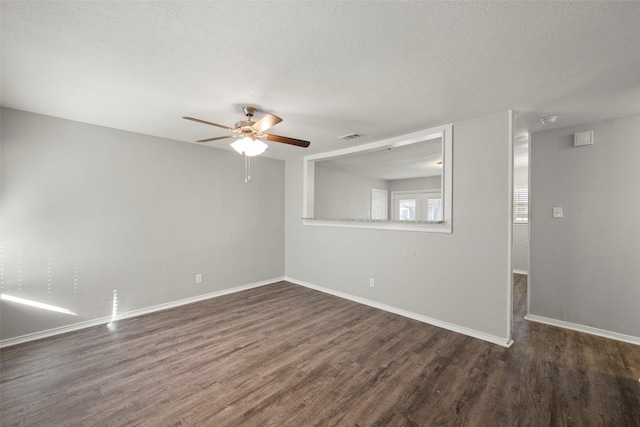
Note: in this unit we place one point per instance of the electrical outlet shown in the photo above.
(198, 278)
(371, 282)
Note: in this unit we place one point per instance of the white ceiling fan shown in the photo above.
(249, 134)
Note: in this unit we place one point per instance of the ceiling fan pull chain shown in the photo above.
(247, 169)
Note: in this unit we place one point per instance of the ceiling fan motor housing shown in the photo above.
(244, 125)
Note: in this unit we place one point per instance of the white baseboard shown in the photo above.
(134, 313)
(521, 272)
(424, 319)
(582, 328)
(54, 331)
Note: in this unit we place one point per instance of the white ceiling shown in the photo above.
(327, 68)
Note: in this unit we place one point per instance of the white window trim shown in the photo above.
(399, 193)
(445, 226)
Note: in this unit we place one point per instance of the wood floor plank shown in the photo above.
(284, 355)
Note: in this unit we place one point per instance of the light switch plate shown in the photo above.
(557, 213)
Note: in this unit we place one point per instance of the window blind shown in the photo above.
(521, 205)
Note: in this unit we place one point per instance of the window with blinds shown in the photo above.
(521, 205)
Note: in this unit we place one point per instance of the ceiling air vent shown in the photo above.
(351, 136)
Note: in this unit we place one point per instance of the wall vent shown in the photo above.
(351, 136)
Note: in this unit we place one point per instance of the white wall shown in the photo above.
(521, 248)
(462, 278)
(343, 195)
(585, 267)
(428, 183)
(87, 210)
(521, 231)
(521, 177)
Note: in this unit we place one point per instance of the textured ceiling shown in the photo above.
(327, 68)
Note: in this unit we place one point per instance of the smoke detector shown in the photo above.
(549, 119)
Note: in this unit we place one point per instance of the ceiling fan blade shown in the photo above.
(287, 140)
(215, 139)
(266, 122)
(208, 123)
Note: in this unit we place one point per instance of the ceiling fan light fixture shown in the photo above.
(253, 131)
(249, 146)
(238, 145)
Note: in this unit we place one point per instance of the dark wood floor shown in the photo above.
(284, 355)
